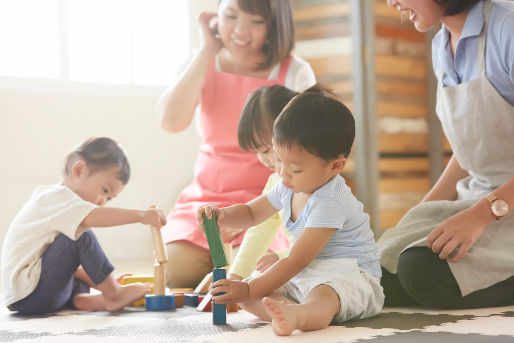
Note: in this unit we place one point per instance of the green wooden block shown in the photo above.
(212, 232)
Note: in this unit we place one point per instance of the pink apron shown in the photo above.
(223, 174)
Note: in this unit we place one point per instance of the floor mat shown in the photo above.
(495, 325)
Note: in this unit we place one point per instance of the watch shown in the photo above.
(499, 207)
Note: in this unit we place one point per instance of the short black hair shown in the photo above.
(261, 109)
(259, 113)
(318, 123)
(454, 7)
(100, 153)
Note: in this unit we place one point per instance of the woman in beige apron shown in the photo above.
(456, 248)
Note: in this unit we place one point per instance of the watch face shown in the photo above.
(500, 207)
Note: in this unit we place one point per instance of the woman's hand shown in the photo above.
(456, 235)
(266, 261)
(235, 291)
(210, 38)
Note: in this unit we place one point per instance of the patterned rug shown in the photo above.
(135, 325)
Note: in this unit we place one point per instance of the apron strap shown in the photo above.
(481, 43)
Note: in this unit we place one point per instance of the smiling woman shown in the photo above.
(248, 46)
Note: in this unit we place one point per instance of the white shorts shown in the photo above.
(360, 293)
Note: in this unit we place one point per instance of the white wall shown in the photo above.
(40, 123)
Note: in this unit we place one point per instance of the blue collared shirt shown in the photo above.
(499, 55)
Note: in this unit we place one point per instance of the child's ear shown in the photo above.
(78, 168)
(338, 164)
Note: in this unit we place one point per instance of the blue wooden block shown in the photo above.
(191, 299)
(219, 311)
(159, 302)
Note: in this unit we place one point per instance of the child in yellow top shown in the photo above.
(254, 134)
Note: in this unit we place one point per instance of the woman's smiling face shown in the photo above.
(425, 14)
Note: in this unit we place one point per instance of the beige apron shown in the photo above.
(479, 125)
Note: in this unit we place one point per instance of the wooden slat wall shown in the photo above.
(325, 25)
(401, 93)
(401, 113)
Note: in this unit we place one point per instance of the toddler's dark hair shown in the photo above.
(260, 111)
(318, 123)
(100, 153)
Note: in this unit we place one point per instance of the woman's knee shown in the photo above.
(187, 265)
(426, 278)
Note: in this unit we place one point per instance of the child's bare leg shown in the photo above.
(114, 296)
(320, 307)
(255, 306)
(82, 275)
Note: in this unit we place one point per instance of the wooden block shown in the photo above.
(212, 232)
(191, 299)
(203, 286)
(219, 311)
(160, 279)
(206, 304)
(158, 245)
(182, 290)
(405, 184)
(179, 299)
(137, 278)
(155, 302)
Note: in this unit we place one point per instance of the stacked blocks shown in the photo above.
(159, 300)
(219, 259)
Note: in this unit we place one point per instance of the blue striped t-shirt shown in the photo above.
(333, 206)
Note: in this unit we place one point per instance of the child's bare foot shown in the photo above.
(284, 317)
(89, 302)
(126, 295)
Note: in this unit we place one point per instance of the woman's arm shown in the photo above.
(176, 106)
(445, 187)
(464, 228)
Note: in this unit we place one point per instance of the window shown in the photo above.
(102, 41)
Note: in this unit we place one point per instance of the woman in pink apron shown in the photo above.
(455, 249)
(249, 47)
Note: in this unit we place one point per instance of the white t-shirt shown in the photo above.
(50, 211)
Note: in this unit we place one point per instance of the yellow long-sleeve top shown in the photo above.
(258, 238)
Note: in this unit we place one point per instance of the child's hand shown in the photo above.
(235, 291)
(210, 38)
(153, 217)
(266, 261)
(209, 210)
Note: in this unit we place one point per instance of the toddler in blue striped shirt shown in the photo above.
(332, 273)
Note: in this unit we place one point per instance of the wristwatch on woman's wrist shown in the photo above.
(499, 207)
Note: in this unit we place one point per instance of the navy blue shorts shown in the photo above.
(57, 285)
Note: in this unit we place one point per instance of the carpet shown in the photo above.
(133, 324)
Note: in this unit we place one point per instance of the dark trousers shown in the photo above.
(424, 279)
(57, 285)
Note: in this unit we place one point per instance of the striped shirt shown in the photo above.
(333, 206)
